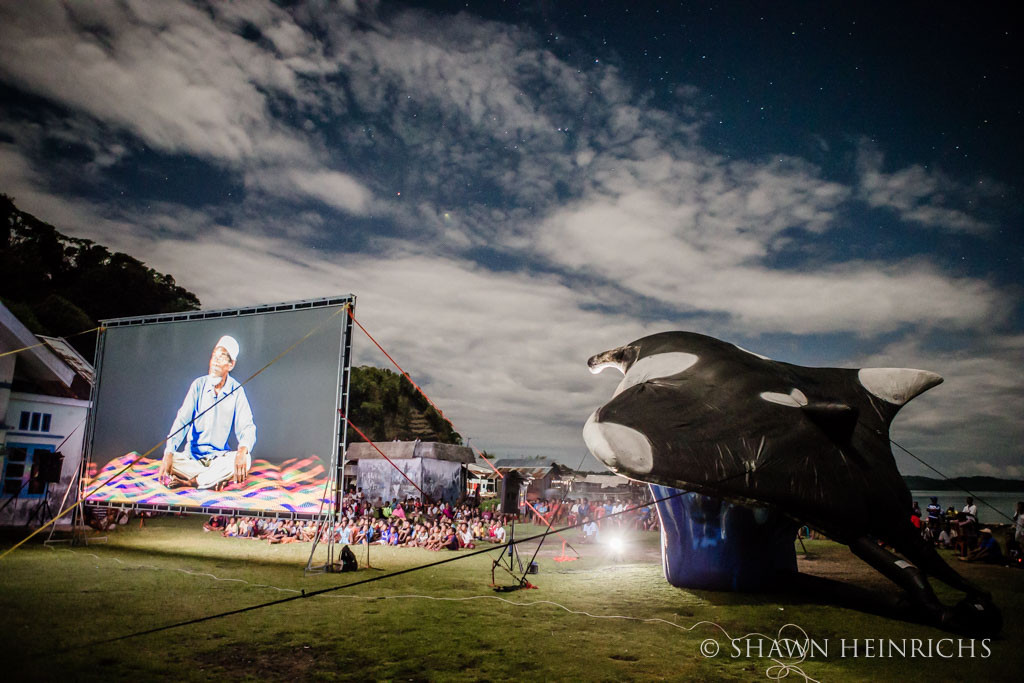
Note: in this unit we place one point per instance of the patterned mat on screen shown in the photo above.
(296, 485)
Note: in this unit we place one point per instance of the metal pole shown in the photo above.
(339, 452)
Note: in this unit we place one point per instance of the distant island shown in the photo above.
(994, 484)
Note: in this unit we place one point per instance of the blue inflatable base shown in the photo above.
(710, 544)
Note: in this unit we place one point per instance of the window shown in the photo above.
(34, 422)
(20, 470)
(14, 468)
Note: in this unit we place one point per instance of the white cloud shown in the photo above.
(504, 355)
(693, 235)
(16, 174)
(969, 424)
(335, 189)
(78, 218)
(915, 193)
(472, 69)
(595, 201)
(163, 71)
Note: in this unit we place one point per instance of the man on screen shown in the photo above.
(214, 406)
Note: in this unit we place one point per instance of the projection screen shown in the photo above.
(196, 390)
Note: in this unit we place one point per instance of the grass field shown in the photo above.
(592, 619)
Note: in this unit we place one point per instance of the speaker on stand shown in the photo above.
(46, 469)
(50, 465)
(510, 487)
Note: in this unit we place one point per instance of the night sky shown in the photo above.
(510, 188)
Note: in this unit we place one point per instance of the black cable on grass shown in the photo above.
(521, 579)
(504, 548)
(322, 591)
(183, 428)
(380, 577)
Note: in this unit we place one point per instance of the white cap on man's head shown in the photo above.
(230, 345)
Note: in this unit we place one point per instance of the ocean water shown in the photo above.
(1004, 503)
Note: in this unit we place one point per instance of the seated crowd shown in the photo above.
(438, 526)
(960, 531)
(409, 523)
(413, 523)
(612, 513)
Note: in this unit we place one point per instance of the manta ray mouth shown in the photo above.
(620, 448)
(620, 359)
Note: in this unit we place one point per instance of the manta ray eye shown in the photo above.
(794, 399)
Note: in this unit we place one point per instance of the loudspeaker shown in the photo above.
(348, 560)
(49, 464)
(510, 486)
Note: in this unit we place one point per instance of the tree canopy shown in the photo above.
(386, 406)
(59, 285)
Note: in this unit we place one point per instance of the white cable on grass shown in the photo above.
(183, 571)
(776, 672)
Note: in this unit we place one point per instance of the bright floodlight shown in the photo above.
(616, 544)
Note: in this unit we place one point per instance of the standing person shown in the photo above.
(644, 520)
(214, 407)
(934, 511)
(584, 510)
(951, 514)
(1018, 521)
(967, 534)
(539, 509)
(915, 516)
(1015, 539)
(574, 512)
(971, 510)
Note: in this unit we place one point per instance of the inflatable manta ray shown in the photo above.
(696, 413)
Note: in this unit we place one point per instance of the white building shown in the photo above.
(44, 392)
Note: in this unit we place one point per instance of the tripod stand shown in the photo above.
(509, 560)
(13, 499)
(78, 524)
(42, 512)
